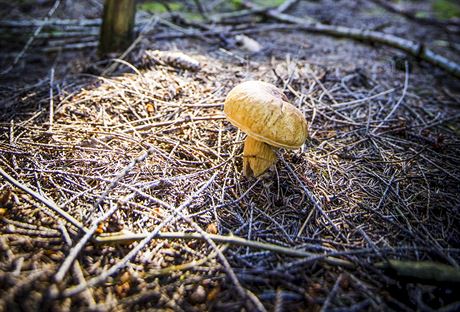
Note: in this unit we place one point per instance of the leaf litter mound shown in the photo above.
(150, 151)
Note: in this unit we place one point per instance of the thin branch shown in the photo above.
(50, 204)
(122, 263)
(31, 39)
(65, 266)
(413, 48)
(396, 106)
(51, 113)
(78, 272)
(427, 271)
(312, 197)
(286, 5)
(331, 295)
(77, 248)
(231, 239)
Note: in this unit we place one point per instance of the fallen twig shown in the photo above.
(78, 272)
(122, 263)
(50, 204)
(312, 197)
(31, 39)
(396, 106)
(416, 49)
(426, 271)
(81, 243)
(332, 294)
(124, 238)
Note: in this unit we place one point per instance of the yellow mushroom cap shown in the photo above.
(261, 110)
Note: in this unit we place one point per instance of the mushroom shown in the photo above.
(261, 111)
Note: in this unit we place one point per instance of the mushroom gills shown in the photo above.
(257, 157)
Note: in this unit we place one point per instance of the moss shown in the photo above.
(445, 9)
(422, 14)
(156, 7)
(374, 11)
(238, 4)
(269, 3)
(192, 16)
(231, 5)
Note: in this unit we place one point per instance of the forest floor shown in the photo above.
(121, 182)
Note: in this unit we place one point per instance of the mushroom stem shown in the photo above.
(257, 157)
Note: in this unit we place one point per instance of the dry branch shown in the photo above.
(416, 49)
(94, 225)
(124, 238)
(26, 23)
(312, 197)
(31, 38)
(425, 271)
(50, 204)
(122, 263)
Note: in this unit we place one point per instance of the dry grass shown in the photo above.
(382, 163)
